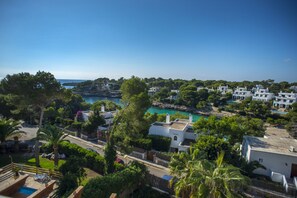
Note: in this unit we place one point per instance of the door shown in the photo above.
(294, 170)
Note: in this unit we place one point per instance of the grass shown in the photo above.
(45, 163)
(89, 175)
(28, 159)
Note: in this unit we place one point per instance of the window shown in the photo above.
(260, 160)
(175, 138)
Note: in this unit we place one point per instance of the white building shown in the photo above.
(285, 100)
(153, 90)
(241, 93)
(180, 132)
(263, 95)
(277, 154)
(174, 96)
(224, 89)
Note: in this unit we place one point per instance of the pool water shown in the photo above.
(26, 191)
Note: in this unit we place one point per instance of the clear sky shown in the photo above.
(83, 39)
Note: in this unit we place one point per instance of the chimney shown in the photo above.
(190, 118)
(102, 108)
(167, 118)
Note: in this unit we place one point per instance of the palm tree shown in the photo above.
(53, 135)
(9, 128)
(203, 178)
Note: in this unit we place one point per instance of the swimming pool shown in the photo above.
(26, 190)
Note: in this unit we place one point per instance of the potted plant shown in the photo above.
(16, 170)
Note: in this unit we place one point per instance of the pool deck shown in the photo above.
(30, 182)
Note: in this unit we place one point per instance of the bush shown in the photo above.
(160, 143)
(142, 143)
(92, 159)
(115, 183)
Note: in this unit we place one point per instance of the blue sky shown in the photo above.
(230, 40)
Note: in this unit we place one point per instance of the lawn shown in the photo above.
(89, 175)
(27, 159)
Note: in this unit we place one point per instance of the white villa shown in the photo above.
(277, 154)
(263, 95)
(107, 116)
(153, 90)
(224, 89)
(241, 93)
(285, 100)
(180, 132)
(174, 97)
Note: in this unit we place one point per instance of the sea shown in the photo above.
(92, 99)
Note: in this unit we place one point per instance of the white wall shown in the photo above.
(191, 136)
(275, 162)
(159, 130)
(180, 138)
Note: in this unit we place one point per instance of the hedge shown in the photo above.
(143, 143)
(92, 160)
(160, 143)
(116, 182)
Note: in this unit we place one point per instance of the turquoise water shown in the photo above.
(92, 99)
(26, 191)
(279, 112)
(172, 111)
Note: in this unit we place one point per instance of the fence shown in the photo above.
(159, 183)
(31, 169)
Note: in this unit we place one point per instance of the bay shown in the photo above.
(92, 99)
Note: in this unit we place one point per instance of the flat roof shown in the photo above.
(273, 144)
(178, 124)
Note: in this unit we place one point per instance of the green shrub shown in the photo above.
(142, 143)
(92, 159)
(116, 182)
(160, 143)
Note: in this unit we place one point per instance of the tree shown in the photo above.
(231, 128)
(109, 105)
(202, 178)
(130, 123)
(74, 165)
(292, 124)
(9, 128)
(210, 146)
(67, 184)
(188, 95)
(93, 122)
(54, 136)
(110, 155)
(38, 90)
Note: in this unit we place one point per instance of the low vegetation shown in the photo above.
(127, 179)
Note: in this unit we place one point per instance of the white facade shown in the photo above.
(153, 90)
(273, 153)
(285, 100)
(224, 89)
(263, 95)
(180, 132)
(241, 93)
(174, 97)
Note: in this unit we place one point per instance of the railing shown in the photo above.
(31, 169)
(285, 183)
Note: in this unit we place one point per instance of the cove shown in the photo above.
(92, 99)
